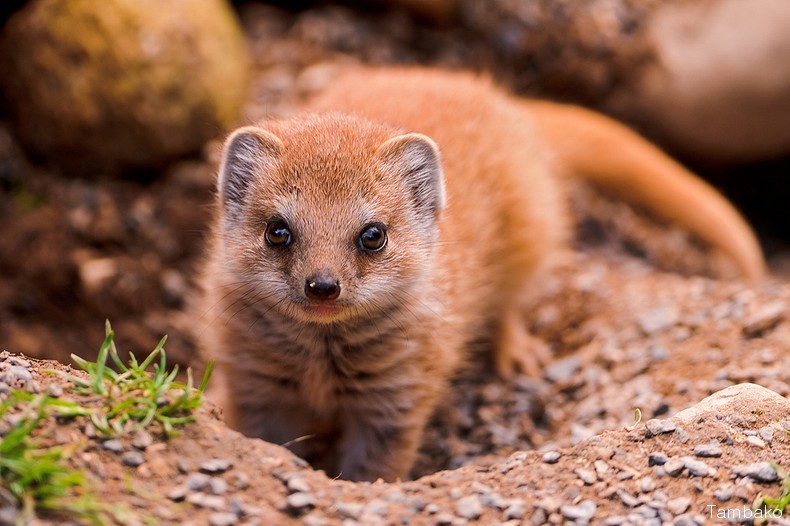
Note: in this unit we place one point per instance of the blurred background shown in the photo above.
(112, 115)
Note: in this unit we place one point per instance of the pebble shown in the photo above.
(215, 466)
(710, 450)
(584, 511)
(679, 505)
(766, 433)
(551, 457)
(55, 390)
(759, 471)
(682, 436)
(349, 510)
(563, 370)
(766, 318)
(297, 484)
(697, 468)
(756, 441)
(674, 467)
(113, 445)
(142, 439)
(627, 499)
(469, 507)
(203, 500)
(647, 484)
(197, 481)
(587, 476)
(516, 510)
(178, 493)
(723, 493)
(300, 501)
(657, 458)
(656, 426)
(222, 518)
(657, 319)
(218, 486)
(132, 458)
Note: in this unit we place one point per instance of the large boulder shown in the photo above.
(119, 84)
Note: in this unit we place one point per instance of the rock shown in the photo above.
(679, 505)
(759, 471)
(197, 481)
(132, 458)
(104, 87)
(657, 319)
(584, 511)
(657, 426)
(674, 467)
(587, 476)
(216, 466)
(142, 439)
(300, 501)
(657, 458)
(551, 457)
(469, 507)
(349, 510)
(766, 318)
(731, 400)
(710, 450)
(695, 467)
(222, 518)
(516, 510)
(113, 445)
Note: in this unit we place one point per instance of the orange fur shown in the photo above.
(471, 226)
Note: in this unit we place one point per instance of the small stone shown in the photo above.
(300, 501)
(218, 486)
(242, 480)
(132, 458)
(563, 370)
(587, 476)
(296, 484)
(210, 502)
(687, 520)
(766, 433)
(682, 435)
(723, 493)
(349, 510)
(627, 499)
(656, 426)
(142, 439)
(456, 493)
(697, 468)
(197, 481)
(756, 441)
(584, 511)
(432, 509)
(647, 484)
(710, 450)
(113, 445)
(222, 518)
(679, 505)
(377, 507)
(766, 318)
(551, 457)
(759, 471)
(516, 510)
(215, 466)
(444, 519)
(674, 467)
(469, 507)
(601, 468)
(178, 493)
(657, 319)
(55, 390)
(657, 459)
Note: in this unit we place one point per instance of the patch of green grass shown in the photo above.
(116, 401)
(132, 398)
(37, 478)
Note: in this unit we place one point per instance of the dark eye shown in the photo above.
(373, 237)
(277, 233)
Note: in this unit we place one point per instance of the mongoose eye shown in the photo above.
(277, 233)
(373, 237)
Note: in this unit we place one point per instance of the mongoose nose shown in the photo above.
(322, 287)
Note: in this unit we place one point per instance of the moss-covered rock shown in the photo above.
(117, 84)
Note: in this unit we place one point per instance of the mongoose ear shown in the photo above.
(247, 152)
(417, 158)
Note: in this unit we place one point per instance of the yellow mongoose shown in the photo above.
(359, 249)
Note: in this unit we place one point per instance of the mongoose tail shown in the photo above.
(617, 159)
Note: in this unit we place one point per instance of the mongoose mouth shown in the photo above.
(322, 310)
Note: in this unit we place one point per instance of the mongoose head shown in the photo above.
(329, 217)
